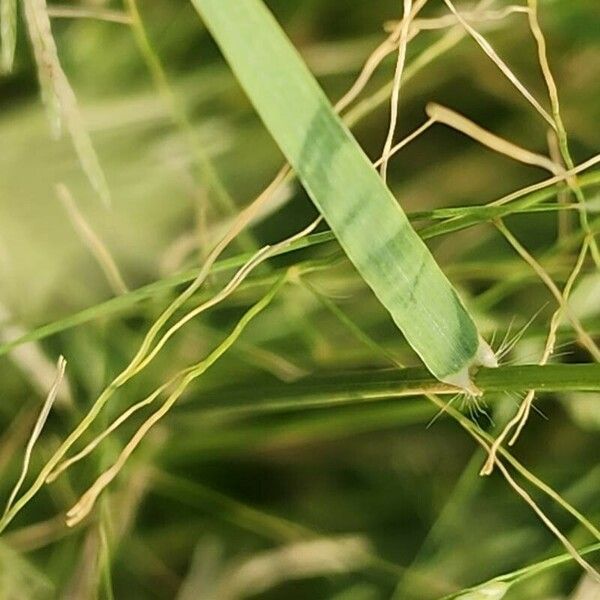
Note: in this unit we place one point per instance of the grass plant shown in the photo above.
(308, 417)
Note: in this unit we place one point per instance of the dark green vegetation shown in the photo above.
(300, 464)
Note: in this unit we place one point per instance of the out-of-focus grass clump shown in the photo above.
(284, 471)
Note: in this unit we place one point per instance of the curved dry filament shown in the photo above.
(87, 500)
(395, 97)
(487, 48)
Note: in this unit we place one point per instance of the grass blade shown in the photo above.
(37, 430)
(347, 388)
(458, 218)
(59, 97)
(361, 211)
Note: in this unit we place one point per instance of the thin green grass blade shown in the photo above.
(113, 306)
(365, 217)
(348, 388)
(8, 34)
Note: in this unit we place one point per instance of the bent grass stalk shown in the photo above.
(530, 196)
(370, 65)
(379, 97)
(391, 43)
(520, 418)
(395, 96)
(504, 68)
(233, 284)
(37, 429)
(445, 21)
(63, 466)
(259, 257)
(584, 338)
(531, 189)
(555, 120)
(561, 132)
(452, 119)
(479, 436)
(486, 441)
(87, 500)
(144, 348)
(437, 49)
(552, 333)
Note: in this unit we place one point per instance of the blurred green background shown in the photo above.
(351, 501)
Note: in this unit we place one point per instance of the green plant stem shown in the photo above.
(352, 388)
(481, 214)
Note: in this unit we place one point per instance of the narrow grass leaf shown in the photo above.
(361, 211)
(460, 218)
(37, 430)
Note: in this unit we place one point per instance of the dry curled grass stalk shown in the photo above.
(395, 97)
(37, 430)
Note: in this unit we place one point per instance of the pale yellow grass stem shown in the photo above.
(452, 119)
(559, 125)
(522, 415)
(233, 284)
(374, 59)
(584, 338)
(395, 97)
(93, 242)
(530, 189)
(37, 430)
(446, 21)
(58, 95)
(563, 218)
(489, 50)
(87, 500)
(480, 439)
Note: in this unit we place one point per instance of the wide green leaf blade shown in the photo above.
(365, 217)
